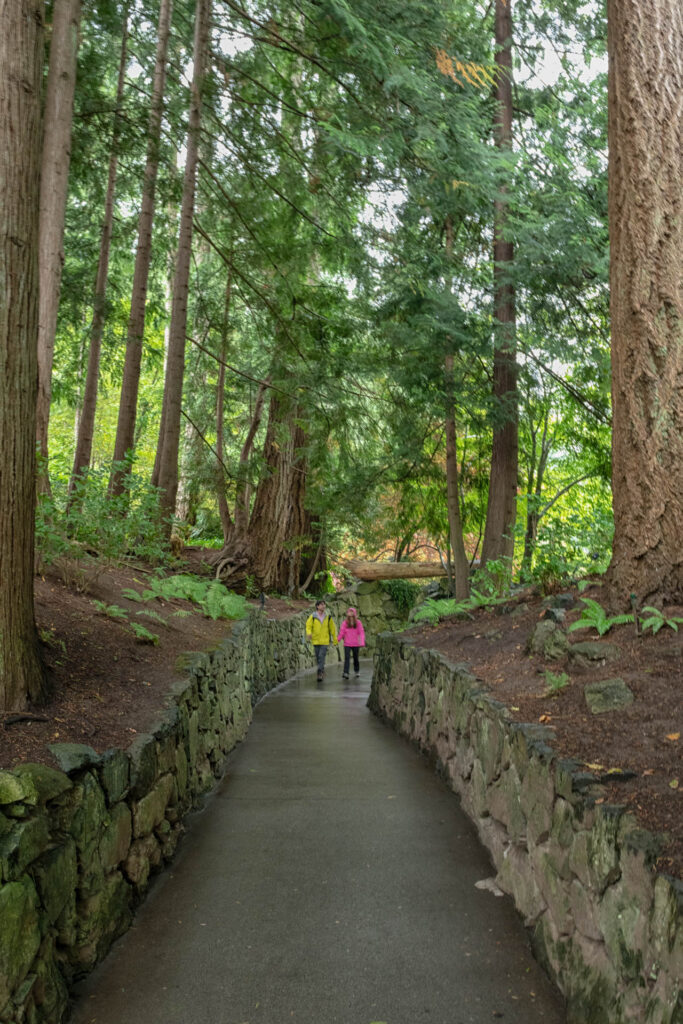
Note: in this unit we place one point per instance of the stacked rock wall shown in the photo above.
(605, 925)
(375, 608)
(78, 846)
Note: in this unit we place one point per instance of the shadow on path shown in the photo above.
(329, 880)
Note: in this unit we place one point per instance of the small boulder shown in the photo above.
(607, 695)
(72, 756)
(548, 640)
(592, 652)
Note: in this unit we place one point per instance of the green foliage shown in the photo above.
(85, 534)
(153, 615)
(215, 601)
(143, 635)
(432, 610)
(594, 616)
(48, 637)
(404, 593)
(112, 611)
(656, 619)
(555, 681)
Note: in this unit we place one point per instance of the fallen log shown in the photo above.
(394, 570)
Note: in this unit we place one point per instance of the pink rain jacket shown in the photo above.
(353, 636)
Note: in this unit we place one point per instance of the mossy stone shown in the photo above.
(72, 756)
(19, 935)
(607, 695)
(115, 774)
(12, 789)
(56, 875)
(47, 782)
(24, 844)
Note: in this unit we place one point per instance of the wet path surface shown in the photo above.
(329, 880)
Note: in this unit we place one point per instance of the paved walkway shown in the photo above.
(329, 880)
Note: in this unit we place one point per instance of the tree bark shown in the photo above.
(499, 534)
(457, 542)
(645, 44)
(86, 424)
(395, 570)
(277, 521)
(54, 182)
(223, 508)
(242, 489)
(21, 59)
(173, 384)
(125, 429)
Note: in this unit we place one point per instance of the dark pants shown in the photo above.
(347, 657)
(320, 655)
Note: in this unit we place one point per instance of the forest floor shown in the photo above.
(106, 686)
(635, 751)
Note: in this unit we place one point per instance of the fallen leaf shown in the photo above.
(513, 708)
(674, 784)
(594, 767)
(544, 718)
(649, 771)
(673, 736)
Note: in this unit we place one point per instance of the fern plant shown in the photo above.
(214, 599)
(656, 619)
(112, 611)
(144, 636)
(594, 616)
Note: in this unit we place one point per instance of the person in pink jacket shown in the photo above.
(353, 635)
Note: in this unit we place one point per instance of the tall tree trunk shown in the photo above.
(457, 542)
(54, 181)
(223, 507)
(173, 384)
(499, 534)
(278, 519)
(535, 488)
(86, 424)
(242, 491)
(645, 43)
(21, 59)
(125, 428)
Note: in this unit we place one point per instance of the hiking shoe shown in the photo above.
(345, 675)
(357, 675)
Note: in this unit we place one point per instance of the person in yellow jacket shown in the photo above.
(321, 631)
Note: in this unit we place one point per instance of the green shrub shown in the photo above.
(404, 593)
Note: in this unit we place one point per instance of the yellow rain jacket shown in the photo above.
(320, 633)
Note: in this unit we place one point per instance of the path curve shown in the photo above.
(330, 879)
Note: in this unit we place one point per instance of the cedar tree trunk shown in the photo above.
(499, 534)
(86, 426)
(169, 440)
(645, 41)
(54, 181)
(278, 518)
(21, 59)
(460, 563)
(125, 429)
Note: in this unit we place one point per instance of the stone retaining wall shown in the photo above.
(78, 846)
(375, 608)
(605, 925)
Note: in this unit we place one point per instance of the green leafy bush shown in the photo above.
(404, 593)
(84, 534)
